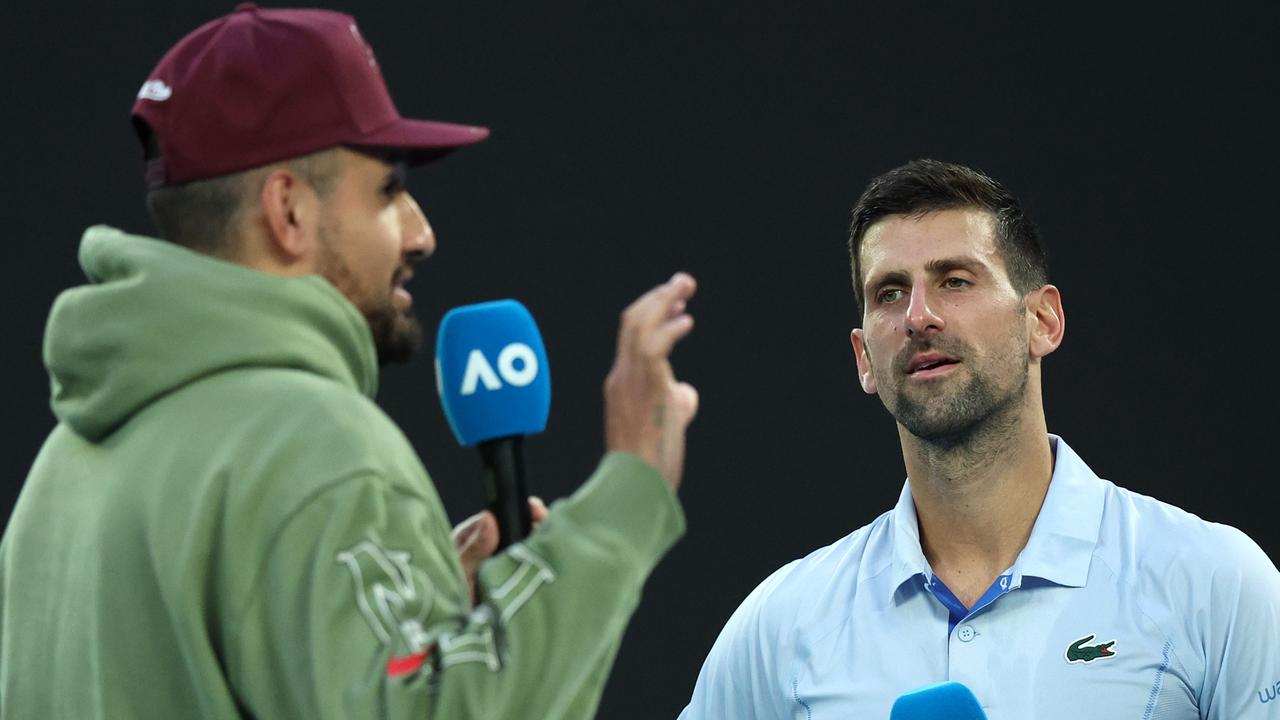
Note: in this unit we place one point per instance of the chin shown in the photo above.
(943, 432)
(396, 334)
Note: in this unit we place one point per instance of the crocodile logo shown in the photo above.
(1079, 652)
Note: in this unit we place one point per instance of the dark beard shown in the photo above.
(977, 406)
(395, 335)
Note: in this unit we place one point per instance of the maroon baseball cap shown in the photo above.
(264, 85)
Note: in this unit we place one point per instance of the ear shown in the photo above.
(291, 214)
(1046, 321)
(859, 341)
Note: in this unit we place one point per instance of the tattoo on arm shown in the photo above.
(660, 419)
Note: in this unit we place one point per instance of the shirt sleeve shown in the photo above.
(363, 612)
(745, 675)
(1242, 664)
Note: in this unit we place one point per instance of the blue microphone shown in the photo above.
(943, 701)
(495, 386)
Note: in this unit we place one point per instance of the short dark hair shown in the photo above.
(924, 186)
(202, 214)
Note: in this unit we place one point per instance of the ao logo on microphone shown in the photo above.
(492, 372)
(517, 364)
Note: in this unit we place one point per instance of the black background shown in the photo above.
(631, 139)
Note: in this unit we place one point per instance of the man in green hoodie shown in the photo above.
(223, 524)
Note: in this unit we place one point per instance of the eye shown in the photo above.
(395, 182)
(393, 186)
(955, 282)
(888, 295)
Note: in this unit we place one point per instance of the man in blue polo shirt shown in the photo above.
(1007, 564)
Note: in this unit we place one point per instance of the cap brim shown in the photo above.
(423, 140)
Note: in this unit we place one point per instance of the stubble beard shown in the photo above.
(396, 334)
(981, 411)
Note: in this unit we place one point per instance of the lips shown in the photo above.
(928, 361)
(397, 286)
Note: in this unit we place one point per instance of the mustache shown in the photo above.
(950, 347)
(404, 273)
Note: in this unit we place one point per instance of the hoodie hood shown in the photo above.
(156, 316)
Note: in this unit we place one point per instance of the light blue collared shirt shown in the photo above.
(1119, 606)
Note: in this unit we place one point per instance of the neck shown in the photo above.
(977, 498)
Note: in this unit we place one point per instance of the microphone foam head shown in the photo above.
(492, 372)
(943, 701)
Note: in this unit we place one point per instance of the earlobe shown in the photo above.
(865, 377)
(1050, 323)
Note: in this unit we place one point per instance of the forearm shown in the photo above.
(562, 599)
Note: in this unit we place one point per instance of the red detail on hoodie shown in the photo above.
(407, 664)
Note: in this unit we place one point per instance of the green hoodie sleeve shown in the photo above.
(361, 610)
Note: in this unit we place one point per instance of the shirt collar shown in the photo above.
(1062, 540)
(908, 556)
(1066, 531)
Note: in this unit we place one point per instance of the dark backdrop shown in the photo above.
(729, 139)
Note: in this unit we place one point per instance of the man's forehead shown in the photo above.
(911, 242)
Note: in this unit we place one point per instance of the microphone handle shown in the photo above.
(504, 487)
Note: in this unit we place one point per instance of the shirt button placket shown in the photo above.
(969, 659)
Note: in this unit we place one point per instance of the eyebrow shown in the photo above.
(941, 266)
(935, 267)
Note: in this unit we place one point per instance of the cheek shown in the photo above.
(383, 242)
(879, 354)
(389, 225)
(884, 339)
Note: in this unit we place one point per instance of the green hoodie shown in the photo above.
(223, 524)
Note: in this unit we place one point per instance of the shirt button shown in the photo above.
(966, 633)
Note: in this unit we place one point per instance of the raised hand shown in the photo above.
(646, 409)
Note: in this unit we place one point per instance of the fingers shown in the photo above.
(537, 510)
(655, 305)
(662, 339)
(476, 539)
(465, 529)
(662, 308)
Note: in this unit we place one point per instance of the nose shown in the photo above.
(418, 239)
(921, 315)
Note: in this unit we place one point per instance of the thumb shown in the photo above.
(688, 398)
